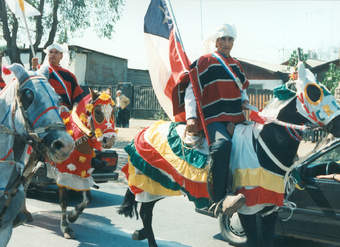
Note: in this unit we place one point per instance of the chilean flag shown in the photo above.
(168, 63)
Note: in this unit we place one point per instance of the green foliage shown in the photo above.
(59, 20)
(76, 16)
(331, 78)
(294, 58)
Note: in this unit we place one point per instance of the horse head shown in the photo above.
(96, 112)
(36, 116)
(316, 103)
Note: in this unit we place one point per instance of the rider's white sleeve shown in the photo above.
(190, 103)
(244, 95)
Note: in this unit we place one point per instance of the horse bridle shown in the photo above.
(32, 138)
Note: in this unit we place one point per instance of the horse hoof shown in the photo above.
(29, 217)
(69, 233)
(138, 235)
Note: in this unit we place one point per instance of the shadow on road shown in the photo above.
(95, 231)
(99, 198)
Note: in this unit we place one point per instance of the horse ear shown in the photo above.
(19, 72)
(45, 71)
(94, 94)
(301, 71)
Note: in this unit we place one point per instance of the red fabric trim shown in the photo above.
(41, 114)
(135, 190)
(6, 156)
(81, 167)
(260, 195)
(224, 118)
(150, 155)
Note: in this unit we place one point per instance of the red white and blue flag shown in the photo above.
(168, 63)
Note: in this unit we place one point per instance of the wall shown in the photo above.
(139, 77)
(105, 69)
(78, 67)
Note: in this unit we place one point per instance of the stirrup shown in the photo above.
(216, 208)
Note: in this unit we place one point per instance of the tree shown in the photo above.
(331, 78)
(294, 58)
(59, 19)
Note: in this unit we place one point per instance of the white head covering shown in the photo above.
(54, 46)
(65, 61)
(209, 44)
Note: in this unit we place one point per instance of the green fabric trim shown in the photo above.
(283, 93)
(159, 177)
(192, 156)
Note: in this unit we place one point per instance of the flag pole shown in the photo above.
(187, 67)
(28, 33)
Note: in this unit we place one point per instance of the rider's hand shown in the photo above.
(245, 105)
(192, 126)
(35, 63)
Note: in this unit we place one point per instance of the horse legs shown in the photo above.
(260, 230)
(5, 235)
(64, 225)
(146, 232)
(74, 214)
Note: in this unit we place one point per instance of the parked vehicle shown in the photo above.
(317, 213)
(104, 164)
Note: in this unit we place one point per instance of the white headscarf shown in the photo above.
(65, 61)
(209, 45)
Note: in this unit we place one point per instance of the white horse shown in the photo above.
(29, 124)
(161, 165)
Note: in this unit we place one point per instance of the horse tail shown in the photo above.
(129, 206)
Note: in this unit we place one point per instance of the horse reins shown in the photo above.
(32, 138)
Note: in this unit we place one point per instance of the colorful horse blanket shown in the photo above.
(162, 165)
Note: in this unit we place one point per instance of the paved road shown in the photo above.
(175, 223)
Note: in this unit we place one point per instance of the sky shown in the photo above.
(268, 30)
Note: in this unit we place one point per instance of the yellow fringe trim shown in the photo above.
(147, 184)
(258, 177)
(160, 143)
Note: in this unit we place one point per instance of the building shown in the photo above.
(264, 75)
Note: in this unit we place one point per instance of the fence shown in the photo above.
(259, 98)
(145, 104)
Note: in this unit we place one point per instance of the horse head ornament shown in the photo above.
(94, 117)
(316, 103)
(32, 112)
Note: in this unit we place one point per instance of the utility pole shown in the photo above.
(201, 20)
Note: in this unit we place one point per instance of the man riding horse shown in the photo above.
(221, 92)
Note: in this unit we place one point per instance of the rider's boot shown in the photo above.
(232, 203)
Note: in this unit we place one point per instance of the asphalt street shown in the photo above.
(175, 222)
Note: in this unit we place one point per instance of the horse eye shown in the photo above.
(27, 97)
(314, 94)
(98, 114)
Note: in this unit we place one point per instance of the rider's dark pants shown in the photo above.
(220, 149)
